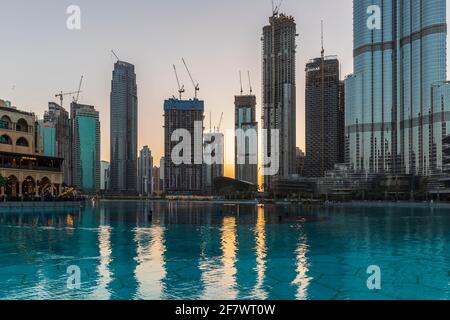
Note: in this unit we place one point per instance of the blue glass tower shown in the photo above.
(86, 147)
(391, 121)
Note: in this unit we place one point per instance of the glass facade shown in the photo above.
(123, 126)
(47, 134)
(86, 160)
(390, 118)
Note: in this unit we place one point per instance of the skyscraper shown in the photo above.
(58, 117)
(145, 167)
(104, 175)
(185, 117)
(247, 143)
(391, 124)
(156, 181)
(324, 116)
(123, 126)
(47, 135)
(214, 152)
(86, 147)
(279, 99)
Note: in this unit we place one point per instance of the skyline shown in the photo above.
(232, 35)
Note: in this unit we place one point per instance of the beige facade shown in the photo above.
(27, 173)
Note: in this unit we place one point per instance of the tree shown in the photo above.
(3, 181)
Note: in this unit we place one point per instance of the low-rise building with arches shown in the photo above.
(27, 173)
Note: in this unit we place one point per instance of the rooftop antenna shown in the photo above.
(196, 86)
(115, 55)
(210, 125)
(321, 28)
(180, 87)
(240, 80)
(250, 83)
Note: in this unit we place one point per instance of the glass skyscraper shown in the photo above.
(392, 124)
(123, 126)
(47, 135)
(86, 147)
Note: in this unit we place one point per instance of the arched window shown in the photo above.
(22, 142)
(4, 139)
(22, 125)
(5, 122)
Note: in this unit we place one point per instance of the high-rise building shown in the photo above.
(300, 161)
(162, 162)
(86, 147)
(391, 120)
(213, 166)
(185, 117)
(58, 117)
(145, 167)
(156, 181)
(246, 168)
(278, 91)
(47, 135)
(104, 175)
(324, 116)
(123, 126)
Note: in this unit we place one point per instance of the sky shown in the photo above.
(40, 56)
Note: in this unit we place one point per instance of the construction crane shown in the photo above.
(250, 83)
(276, 8)
(196, 86)
(180, 88)
(240, 80)
(220, 122)
(115, 55)
(61, 95)
(75, 99)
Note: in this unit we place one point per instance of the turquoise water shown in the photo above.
(161, 250)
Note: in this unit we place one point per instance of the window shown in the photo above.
(22, 142)
(22, 125)
(5, 140)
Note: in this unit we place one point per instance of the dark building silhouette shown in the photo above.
(187, 177)
(245, 120)
(123, 126)
(325, 118)
(278, 91)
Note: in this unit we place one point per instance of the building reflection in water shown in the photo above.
(261, 253)
(302, 281)
(104, 246)
(150, 269)
(228, 270)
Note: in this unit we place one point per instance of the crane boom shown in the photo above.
(240, 80)
(250, 83)
(79, 90)
(196, 86)
(61, 95)
(180, 88)
(115, 55)
(220, 122)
